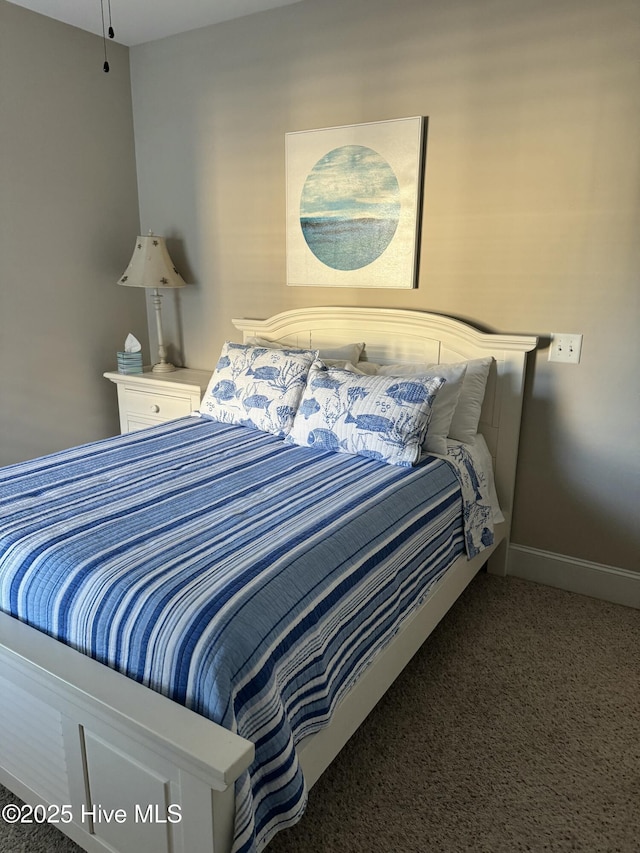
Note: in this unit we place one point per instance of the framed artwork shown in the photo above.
(353, 204)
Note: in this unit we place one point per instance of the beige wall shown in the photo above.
(531, 205)
(68, 222)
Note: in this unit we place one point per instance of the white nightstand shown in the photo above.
(152, 398)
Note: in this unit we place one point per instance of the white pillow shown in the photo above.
(380, 417)
(445, 403)
(464, 424)
(257, 386)
(333, 356)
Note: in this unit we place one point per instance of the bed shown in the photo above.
(118, 766)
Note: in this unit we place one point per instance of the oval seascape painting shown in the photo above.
(350, 207)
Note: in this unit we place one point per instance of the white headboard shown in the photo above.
(395, 335)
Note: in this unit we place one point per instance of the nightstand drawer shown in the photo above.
(146, 399)
(155, 405)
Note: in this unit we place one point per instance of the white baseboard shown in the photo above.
(619, 586)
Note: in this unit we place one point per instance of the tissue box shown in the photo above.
(129, 362)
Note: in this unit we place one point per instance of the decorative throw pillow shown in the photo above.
(334, 356)
(257, 387)
(443, 409)
(381, 417)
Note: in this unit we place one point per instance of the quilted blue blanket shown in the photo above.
(250, 580)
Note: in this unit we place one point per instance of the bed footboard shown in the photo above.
(112, 764)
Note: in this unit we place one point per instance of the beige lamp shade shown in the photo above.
(151, 266)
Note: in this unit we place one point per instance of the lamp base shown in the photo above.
(163, 367)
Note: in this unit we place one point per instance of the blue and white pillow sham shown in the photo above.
(257, 387)
(436, 438)
(380, 417)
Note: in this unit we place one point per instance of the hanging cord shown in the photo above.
(105, 66)
(111, 32)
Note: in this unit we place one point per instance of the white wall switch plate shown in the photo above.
(565, 347)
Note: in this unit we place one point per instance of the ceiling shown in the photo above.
(137, 21)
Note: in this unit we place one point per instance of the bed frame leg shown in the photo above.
(497, 562)
(223, 819)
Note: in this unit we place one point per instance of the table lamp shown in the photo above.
(151, 266)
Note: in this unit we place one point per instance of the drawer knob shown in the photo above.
(155, 408)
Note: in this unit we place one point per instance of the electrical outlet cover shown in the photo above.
(565, 347)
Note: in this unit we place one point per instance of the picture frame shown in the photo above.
(354, 199)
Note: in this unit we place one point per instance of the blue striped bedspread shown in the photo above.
(250, 580)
